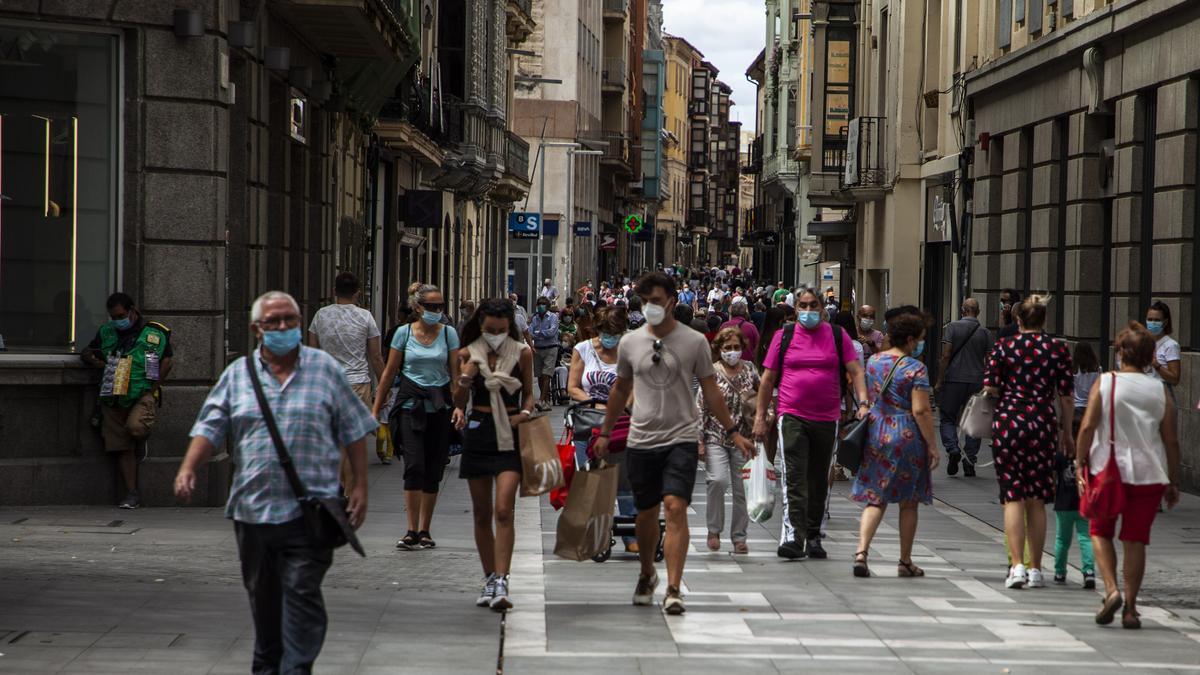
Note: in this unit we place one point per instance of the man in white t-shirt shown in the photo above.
(350, 335)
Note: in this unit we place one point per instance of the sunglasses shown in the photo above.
(433, 306)
(658, 345)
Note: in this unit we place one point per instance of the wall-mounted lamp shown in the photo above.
(188, 23)
(300, 77)
(277, 58)
(242, 34)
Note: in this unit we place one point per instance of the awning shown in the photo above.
(831, 228)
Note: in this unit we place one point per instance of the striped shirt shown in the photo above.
(317, 413)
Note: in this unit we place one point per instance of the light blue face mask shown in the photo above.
(281, 342)
(609, 341)
(431, 318)
(1155, 327)
(920, 349)
(122, 324)
(808, 318)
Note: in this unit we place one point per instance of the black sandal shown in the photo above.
(1131, 620)
(408, 542)
(860, 566)
(425, 539)
(907, 569)
(1109, 609)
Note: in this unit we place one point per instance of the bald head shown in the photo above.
(970, 307)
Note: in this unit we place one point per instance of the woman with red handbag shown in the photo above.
(1127, 461)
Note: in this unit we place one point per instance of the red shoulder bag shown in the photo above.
(1103, 495)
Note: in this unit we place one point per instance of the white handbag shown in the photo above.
(977, 416)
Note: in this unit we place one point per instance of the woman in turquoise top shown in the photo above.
(423, 415)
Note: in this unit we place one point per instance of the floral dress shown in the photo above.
(1030, 369)
(895, 464)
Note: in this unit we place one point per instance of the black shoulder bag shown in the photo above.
(325, 518)
(853, 435)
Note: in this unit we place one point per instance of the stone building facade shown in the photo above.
(1085, 171)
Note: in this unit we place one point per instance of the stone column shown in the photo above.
(985, 232)
(1127, 211)
(1085, 228)
(1044, 224)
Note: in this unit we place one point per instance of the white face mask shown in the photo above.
(867, 324)
(655, 314)
(495, 341)
(731, 358)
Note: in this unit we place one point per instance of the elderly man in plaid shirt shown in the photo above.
(317, 413)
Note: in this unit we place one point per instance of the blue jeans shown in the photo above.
(625, 506)
(954, 397)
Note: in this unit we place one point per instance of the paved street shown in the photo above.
(98, 590)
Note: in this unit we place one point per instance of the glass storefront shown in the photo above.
(58, 184)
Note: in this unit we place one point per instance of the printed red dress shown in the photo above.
(1030, 369)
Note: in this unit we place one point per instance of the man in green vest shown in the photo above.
(136, 357)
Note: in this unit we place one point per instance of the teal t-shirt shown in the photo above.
(426, 365)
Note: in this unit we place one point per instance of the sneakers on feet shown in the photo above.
(644, 593)
(791, 550)
(673, 602)
(1060, 578)
(1016, 577)
(131, 501)
(1035, 579)
(816, 550)
(952, 464)
(1089, 579)
(488, 591)
(968, 467)
(500, 601)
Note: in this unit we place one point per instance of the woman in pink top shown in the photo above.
(804, 361)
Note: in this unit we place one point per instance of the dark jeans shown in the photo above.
(807, 456)
(282, 573)
(953, 399)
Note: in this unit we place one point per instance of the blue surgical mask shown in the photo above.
(919, 349)
(281, 342)
(1155, 327)
(609, 341)
(431, 318)
(809, 318)
(122, 324)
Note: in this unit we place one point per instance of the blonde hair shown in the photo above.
(1031, 311)
(722, 336)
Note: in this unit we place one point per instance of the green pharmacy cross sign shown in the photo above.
(633, 223)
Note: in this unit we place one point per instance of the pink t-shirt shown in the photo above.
(808, 385)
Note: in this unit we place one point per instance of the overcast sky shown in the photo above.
(730, 33)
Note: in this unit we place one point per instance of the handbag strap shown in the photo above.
(285, 459)
(1112, 419)
(887, 382)
(954, 354)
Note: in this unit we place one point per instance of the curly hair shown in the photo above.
(905, 327)
(721, 337)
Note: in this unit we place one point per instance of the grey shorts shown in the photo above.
(545, 359)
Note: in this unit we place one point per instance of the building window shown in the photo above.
(58, 185)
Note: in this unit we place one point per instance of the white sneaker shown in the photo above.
(1016, 576)
(644, 593)
(500, 601)
(487, 592)
(1035, 579)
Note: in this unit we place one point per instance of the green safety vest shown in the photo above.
(153, 338)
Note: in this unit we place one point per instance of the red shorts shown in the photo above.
(1141, 506)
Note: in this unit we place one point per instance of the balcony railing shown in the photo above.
(866, 165)
(617, 149)
(615, 8)
(833, 153)
(613, 73)
(516, 156)
(756, 157)
(411, 103)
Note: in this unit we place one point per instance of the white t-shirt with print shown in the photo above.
(343, 331)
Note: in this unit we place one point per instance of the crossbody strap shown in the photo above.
(837, 345)
(887, 382)
(1112, 418)
(959, 348)
(284, 458)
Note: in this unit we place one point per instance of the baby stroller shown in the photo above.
(585, 421)
(558, 386)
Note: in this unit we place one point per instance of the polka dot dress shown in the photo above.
(1030, 369)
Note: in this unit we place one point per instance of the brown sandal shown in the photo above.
(1109, 608)
(907, 569)
(1131, 620)
(860, 566)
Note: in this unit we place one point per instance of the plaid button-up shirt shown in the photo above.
(317, 413)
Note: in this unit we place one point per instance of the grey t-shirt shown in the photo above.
(343, 331)
(664, 407)
(967, 366)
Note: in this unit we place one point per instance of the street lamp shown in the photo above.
(542, 145)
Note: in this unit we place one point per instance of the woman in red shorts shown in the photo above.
(1135, 410)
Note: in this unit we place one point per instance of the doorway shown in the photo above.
(937, 298)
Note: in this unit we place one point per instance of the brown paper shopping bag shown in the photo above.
(585, 524)
(541, 469)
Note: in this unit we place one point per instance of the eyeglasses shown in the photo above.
(433, 306)
(658, 345)
(286, 321)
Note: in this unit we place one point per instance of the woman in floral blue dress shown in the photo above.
(901, 450)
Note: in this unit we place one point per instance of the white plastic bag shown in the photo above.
(759, 477)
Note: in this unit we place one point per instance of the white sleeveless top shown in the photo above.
(1140, 404)
(598, 376)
